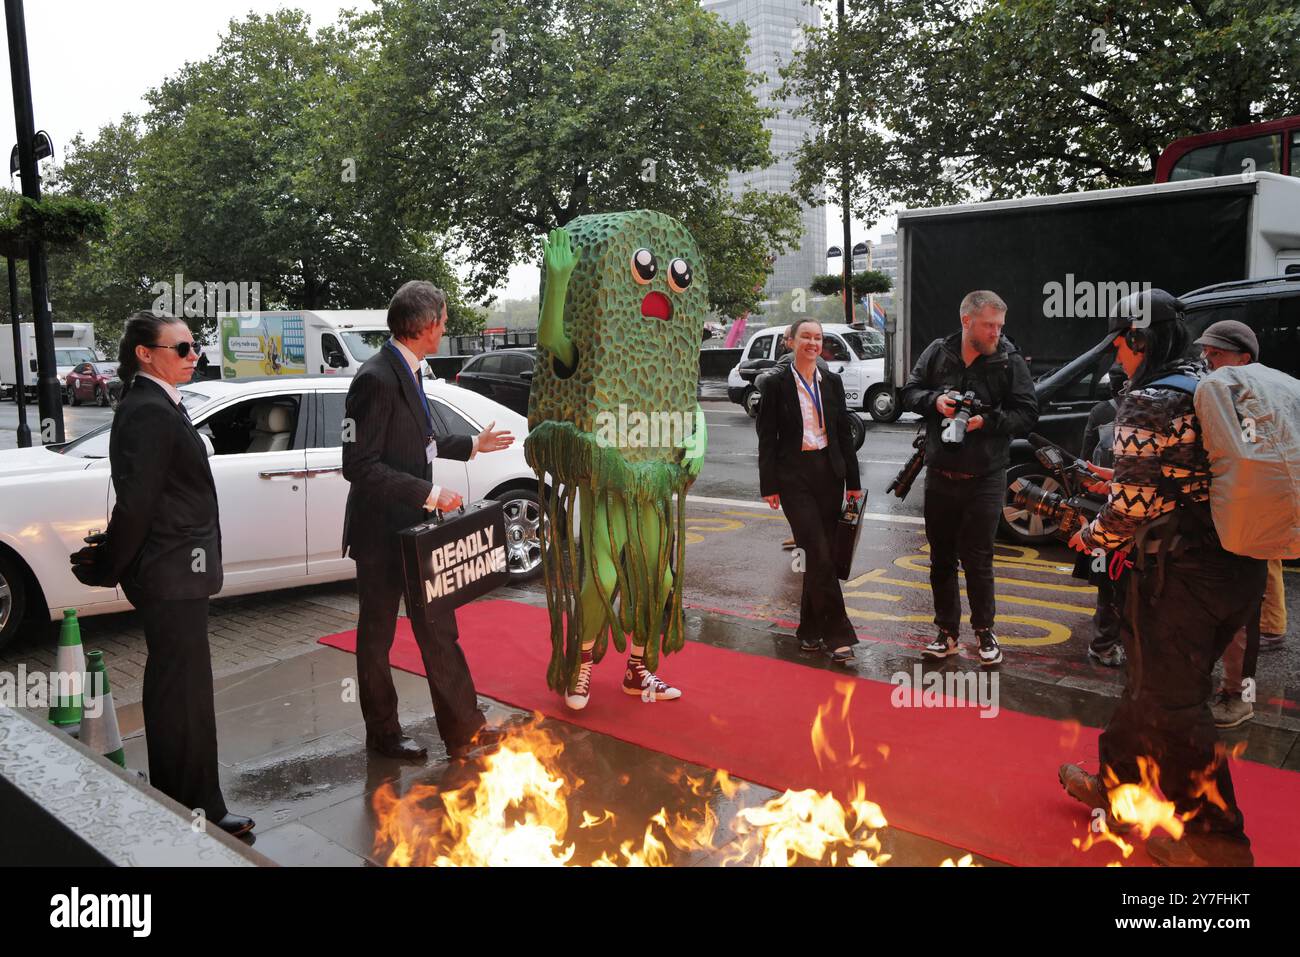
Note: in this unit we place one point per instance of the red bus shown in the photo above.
(1274, 147)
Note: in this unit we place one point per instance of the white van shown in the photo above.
(300, 341)
(74, 343)
(857, 356)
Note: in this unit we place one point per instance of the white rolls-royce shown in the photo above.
(276, 448)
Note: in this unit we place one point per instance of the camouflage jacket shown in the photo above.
(1157, 449)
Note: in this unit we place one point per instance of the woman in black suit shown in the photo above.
(163, 544)
(806, 460)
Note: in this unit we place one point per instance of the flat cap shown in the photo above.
(1233, 336)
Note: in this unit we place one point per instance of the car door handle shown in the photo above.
(282, 473)
(325, 470)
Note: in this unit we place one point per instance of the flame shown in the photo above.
(967, 861)
(1144, 805)
(515, 812)
(808, 825)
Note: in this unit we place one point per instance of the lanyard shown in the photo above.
(816, 396)
(428, 416)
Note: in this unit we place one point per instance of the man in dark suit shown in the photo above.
(806, 462)
(388, 462)
(163, 544)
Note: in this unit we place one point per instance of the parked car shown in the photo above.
(88, 382)
(277, 458)
(503, 375)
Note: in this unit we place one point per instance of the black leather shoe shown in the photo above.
(485, 740)
(403, 749)
(234, 825)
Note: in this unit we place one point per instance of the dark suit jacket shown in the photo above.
(780, 429)
(386, 464)
(166, 502)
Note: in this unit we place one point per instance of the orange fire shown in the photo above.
(515, 812)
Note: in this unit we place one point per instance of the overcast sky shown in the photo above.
(93, 60)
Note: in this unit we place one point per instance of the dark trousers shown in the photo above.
(961, 518)
(1164, 711)
(180, 721)
(455, 702)
(811, 497)
(1106, 619)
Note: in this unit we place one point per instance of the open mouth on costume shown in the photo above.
(656, 305)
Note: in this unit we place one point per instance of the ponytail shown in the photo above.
(142, 329)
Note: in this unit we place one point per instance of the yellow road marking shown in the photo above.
(909, 562)
(1056, 633)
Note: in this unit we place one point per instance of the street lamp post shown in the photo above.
(844, 172)
(49, 395)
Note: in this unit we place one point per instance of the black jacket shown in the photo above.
(780, 429)
(1001, 380)
(164, 536)
(1102, 414)
(385, 462)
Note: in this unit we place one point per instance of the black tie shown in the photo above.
(184, 412)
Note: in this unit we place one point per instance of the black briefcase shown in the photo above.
(847, 530)
(448, 561)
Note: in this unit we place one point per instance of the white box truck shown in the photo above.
(300, 341)
(74, 343)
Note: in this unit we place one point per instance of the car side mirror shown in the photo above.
(336, 360)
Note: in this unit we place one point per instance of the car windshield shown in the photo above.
(70, 357)
(106, 368)
(363, 345)
(94, 444)
(865, 345)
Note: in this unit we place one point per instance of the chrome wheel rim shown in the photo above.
(6, 602)
(1027, 523)
(523, 518)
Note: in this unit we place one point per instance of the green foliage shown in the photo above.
(241, 172)
(954, 99)
(864, 283)
(57, 221)
(495, 122)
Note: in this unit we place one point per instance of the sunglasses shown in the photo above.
(182, 349)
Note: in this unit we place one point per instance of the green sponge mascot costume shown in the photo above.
(614, 422)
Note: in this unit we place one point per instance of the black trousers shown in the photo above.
(455, 702)
(961, 518)
(1106, 619)
(811, 497)
(180, 721)
(1164, 712)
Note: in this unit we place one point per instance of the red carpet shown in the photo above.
(984, 784)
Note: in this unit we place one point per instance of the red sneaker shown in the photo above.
(638, 681)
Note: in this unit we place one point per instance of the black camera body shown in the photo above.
(968, 404)
(1071, 508)
(902, 483)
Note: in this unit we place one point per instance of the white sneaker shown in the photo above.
(577, 699)
(638, 681)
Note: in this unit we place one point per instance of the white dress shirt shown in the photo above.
(814, 432)
(172, 392)
(416, 365)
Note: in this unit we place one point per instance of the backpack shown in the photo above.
(1249, 419)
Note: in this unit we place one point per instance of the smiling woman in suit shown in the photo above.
(806, 460)
(163, 544)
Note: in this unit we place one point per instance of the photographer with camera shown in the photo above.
(975, 392)
(1186, 594)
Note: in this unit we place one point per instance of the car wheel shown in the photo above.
(70, 396)
(113, 399)
(882, 404)
(13, 598)
(859, 430)
(750, 402)
(101, 397)
(1019, 524)
(523, 516)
